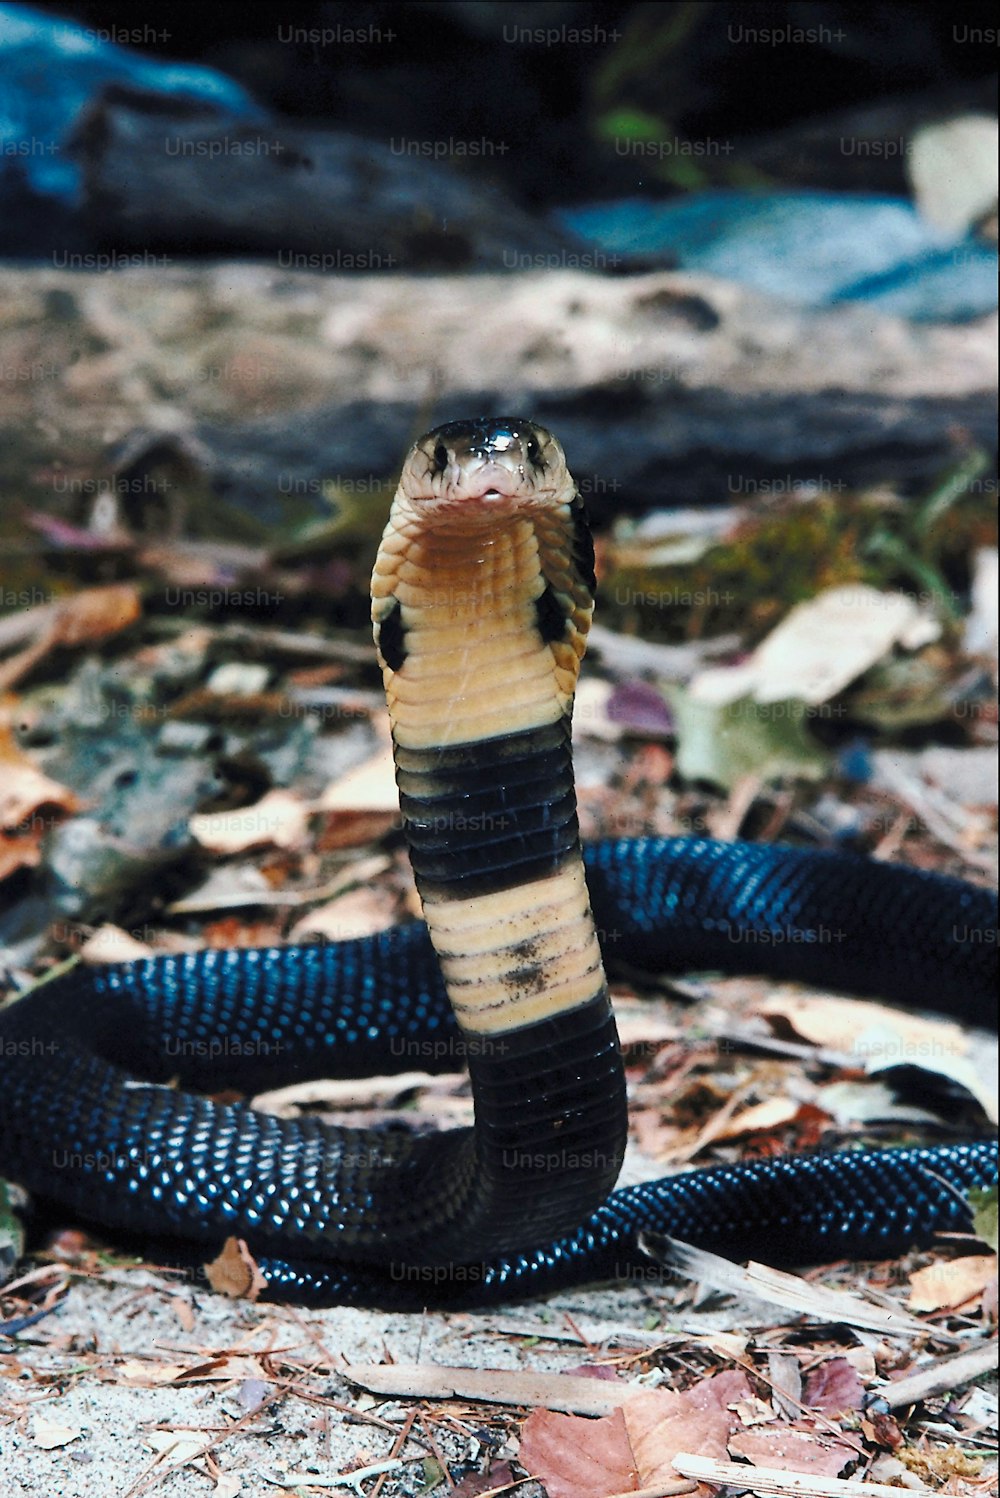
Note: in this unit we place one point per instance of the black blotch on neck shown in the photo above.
(392, 637)
(583, 543)
(550, 615)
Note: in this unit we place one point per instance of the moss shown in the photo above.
(794, 550)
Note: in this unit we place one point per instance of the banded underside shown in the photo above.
(480, 634)
(481, 705)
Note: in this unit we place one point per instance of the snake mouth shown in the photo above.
(481, 499)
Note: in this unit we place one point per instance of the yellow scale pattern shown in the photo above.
(477, 668)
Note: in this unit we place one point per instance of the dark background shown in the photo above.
(449, 71)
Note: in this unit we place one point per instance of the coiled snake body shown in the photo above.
(482, 597)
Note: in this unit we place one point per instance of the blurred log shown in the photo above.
(160, 175)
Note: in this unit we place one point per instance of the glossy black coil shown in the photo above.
(75, 1128)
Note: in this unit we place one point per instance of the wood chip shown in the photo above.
(944, 1376)
(554, 1391)
(780, 1288)
(774, 1480)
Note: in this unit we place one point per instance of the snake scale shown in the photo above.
(482, 596)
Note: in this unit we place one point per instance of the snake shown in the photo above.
(482, 597)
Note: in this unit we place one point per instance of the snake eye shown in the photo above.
(533, 451)
(440, 457)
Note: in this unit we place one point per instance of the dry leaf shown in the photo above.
(485, 1482)
(881, 1429)
(235, 1272)
(24, 789)
(221, 1369)
(821, 647)
(554, 1391)
(574, 1456)
(577, 1458)
(95, 614)
(785, 1377)
(353, 829)
(361, 912)
(112, 944)
(761, 1118)
(48, 1434)
(720, 1392)
(755, 1411)
(843, 1025)
(368, 787)
(790, 1450)
(834, 1387)
(951, 1282)
(184, 1312)
(879, 1037)
(178, 1446)
(659, 1424)
(790, 1291)
(19, 853)
(135, 1371)
(279, 818)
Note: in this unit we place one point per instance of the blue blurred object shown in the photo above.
(50, 69)
(855, 761)
(813, 248)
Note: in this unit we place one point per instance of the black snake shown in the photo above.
(482, 598)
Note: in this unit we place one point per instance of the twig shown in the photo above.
(942, 1377)
(775, 1480)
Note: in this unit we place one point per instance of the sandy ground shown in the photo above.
(85, 1367)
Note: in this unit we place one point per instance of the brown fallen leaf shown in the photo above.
(720, 1391)
(951, 1282)
(93, 614)
(834, 1387)
(179, 1447)
(235, 1272)
(821, 646)
(554, 1391)
(567, 1452)
(761, 1118)
(577, 1458)
(880, 1429)
(24, 789)
(19, 853)
(279, 818)
(135, 1372)
(660, 1423)
(361, 912)
(862, 1028)
(788, 1450)
(184, 1312)
(353, 829)
(755, 1411)
(478, 1483)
